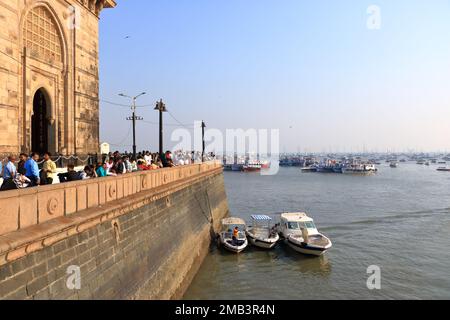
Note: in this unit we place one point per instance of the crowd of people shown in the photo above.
(26, 173)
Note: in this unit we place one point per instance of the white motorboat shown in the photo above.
(301, 234)
(261, 233)
(227, 237)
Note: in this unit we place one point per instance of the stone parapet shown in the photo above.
(21, 209)
(146, 240)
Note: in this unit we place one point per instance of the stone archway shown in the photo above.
(39, 123)
(45, 81)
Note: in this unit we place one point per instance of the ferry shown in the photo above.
(301, 234)
(360, 168)
(252, 166)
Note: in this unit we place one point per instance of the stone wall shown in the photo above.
(147, 245)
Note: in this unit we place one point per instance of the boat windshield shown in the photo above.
(293, 226)
(230, 227)
(310, 225)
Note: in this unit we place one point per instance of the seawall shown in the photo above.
(140, 236)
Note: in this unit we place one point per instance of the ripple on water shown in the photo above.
(398, 220)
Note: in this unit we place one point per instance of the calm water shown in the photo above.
(398, 219)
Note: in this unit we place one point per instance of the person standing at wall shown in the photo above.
(21, 165)
(49, 169)
(9, 174)
(32, 169)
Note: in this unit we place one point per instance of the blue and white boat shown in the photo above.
(262, 234)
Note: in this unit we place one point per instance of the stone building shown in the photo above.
(49, 91)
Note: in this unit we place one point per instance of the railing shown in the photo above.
(27, 207)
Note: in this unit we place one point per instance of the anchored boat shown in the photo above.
(394, 164)
(262, 234)
(233, 236)
(301, 234)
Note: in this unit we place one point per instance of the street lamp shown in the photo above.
(161, 107)
(133, 118)
(203, 141)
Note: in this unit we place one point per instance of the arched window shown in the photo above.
(41, 36)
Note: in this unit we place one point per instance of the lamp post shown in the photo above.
(203, 141)
(161, 107)
(133, 118)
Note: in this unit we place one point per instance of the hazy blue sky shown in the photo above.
(310, 68)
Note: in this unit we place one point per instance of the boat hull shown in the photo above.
(307, 249)
(235, 248)
(263, 243)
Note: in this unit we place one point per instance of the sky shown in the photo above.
(312, 69)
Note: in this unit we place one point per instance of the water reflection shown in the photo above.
(317, 266)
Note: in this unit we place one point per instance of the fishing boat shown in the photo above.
(237, 167)
(301, 234)
(309, 169)
(265, 165)
(252, 166)
(226, 238)
(359, 168)
(325, 168)
(443, 169)
(261, 234)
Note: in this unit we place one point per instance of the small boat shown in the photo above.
(227, 239)
(261, 233)
(443, 169)
(301, 234)
(358, 168)
(252, 167)
(394, 165)
(309, 169)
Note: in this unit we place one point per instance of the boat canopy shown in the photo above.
(233, 221)
(261, 218)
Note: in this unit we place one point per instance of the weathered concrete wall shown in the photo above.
(148, 245)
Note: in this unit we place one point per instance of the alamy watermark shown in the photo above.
(263, 142)
(74, 278)
(374, 280)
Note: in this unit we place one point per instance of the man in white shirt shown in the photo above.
(148, 158)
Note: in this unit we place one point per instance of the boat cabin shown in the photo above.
(294, 223)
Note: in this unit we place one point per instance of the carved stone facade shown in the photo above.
(49, 91)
